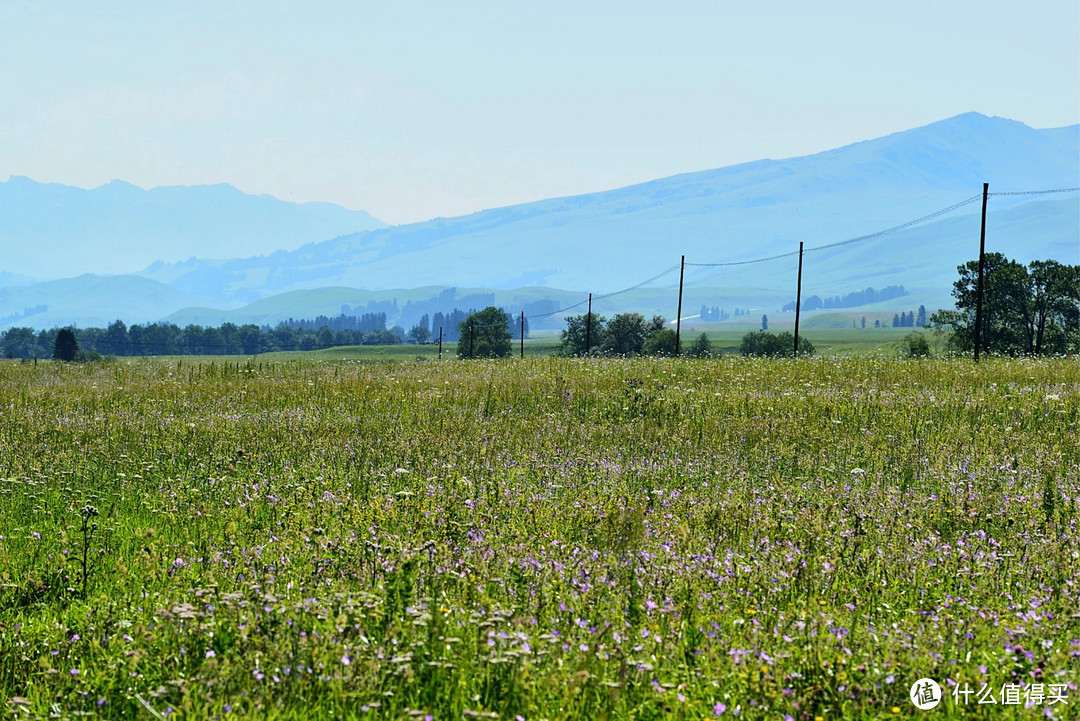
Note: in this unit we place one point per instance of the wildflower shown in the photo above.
(719, 708)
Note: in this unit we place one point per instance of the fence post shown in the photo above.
(678, 312)
(979, 282)
(588, 327)
(798, 301)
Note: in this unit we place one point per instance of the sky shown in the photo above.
(414, 110)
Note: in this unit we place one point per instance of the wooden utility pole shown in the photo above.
(982, 267)
(588, 327)
(798, 301)
(678, 311)
(522, 334)
(440, 342)
(472, 336)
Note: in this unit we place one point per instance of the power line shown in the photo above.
(859, 239)
(607, 295)
(900, 227)
(1038, 192)
(659, 275)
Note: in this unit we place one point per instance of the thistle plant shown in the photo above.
(88, 529)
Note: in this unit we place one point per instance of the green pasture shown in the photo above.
(316, 536)
(827, 341)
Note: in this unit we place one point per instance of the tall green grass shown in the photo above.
(547, 538)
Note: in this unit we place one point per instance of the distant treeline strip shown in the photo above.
(849, 300)
(169, 339)
(230, 339)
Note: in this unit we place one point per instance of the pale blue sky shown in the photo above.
(412, 110)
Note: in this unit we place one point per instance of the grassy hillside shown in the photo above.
(90, 300)
(608, 240)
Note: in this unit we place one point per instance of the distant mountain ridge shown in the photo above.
(50, 230)
(609, 240)
(604, 240)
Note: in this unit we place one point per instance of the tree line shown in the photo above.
(450, 324)
(486, 335)
(118, 339)
(1033, 309)
(715, 314)
(849, 300)
(626, 334)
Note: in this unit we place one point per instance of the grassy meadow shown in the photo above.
(543, 538)
(725, 341)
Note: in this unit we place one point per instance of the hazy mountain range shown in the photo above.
(597, 242)
(53, 231)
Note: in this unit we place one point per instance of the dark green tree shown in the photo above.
(1032, 310)
(324, 338)
(66, 347)
(1052, 313)
(420, 334)
(251, 339)
(115, 340)
(485, 334)
(21, 343)
(625, 334)
(230, 339)
(764, 322)
(284, 337)
(661, 343)
(657, 324)
(574, 338)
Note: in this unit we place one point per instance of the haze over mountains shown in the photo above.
(53, 231)
(608, 240)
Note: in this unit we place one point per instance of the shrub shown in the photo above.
(701, 348)
(914, 345)
(774, 345)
